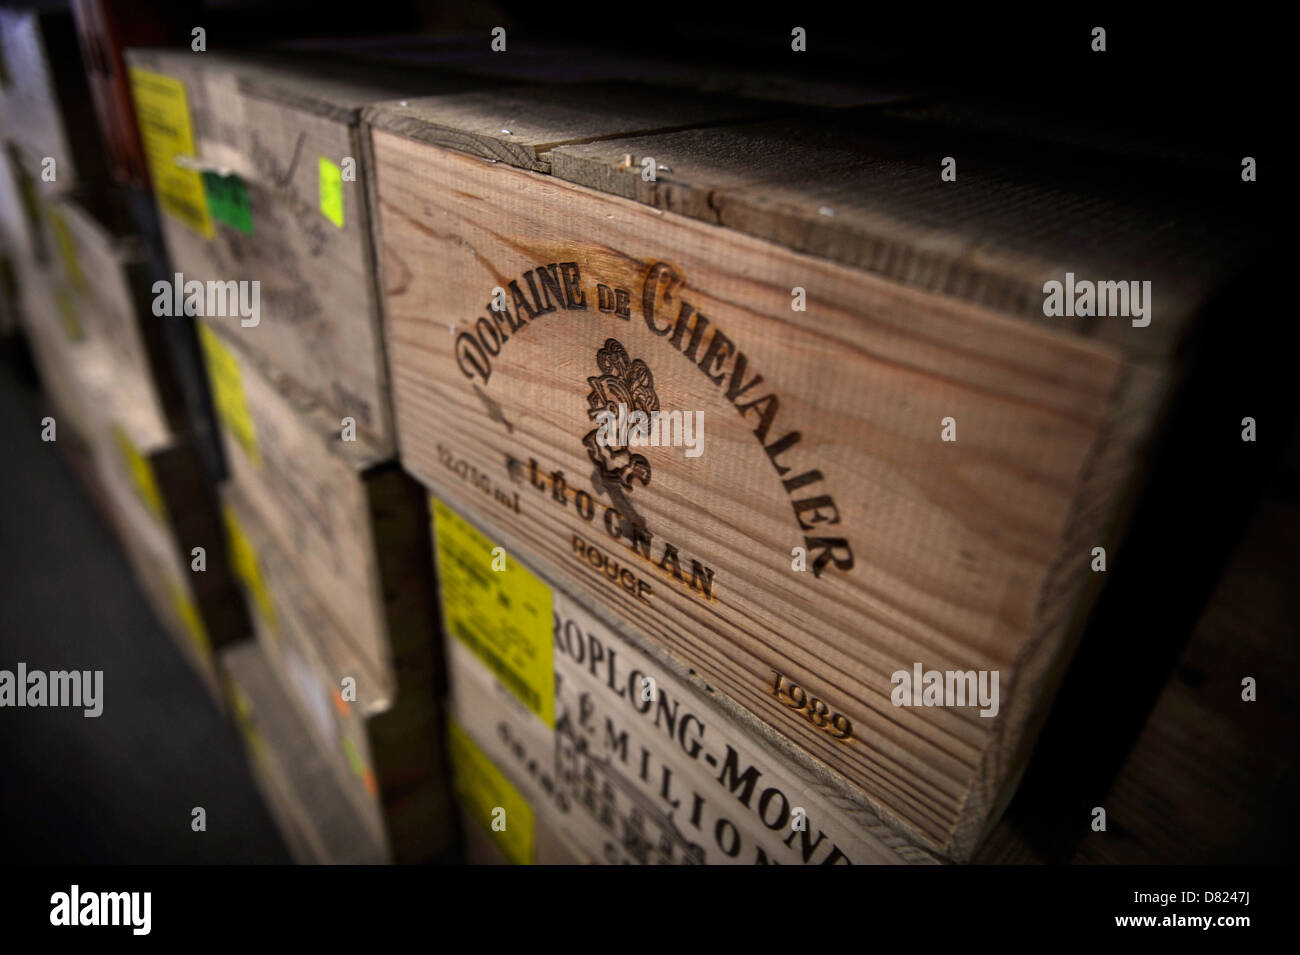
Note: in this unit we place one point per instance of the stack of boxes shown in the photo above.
(699, 482)
(86, 302)
(258, 181)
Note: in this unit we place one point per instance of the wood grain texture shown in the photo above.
(318, 302)
(866, 191)
(385, 748)
(964, 552)
(520, 127)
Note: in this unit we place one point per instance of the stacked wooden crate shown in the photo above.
(86, 305)
(91, 332)
(910, 460)
(258, 174)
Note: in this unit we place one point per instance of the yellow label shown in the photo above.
(67, 250)
(190, 619)
(243, 561)
(228, 392)
(68, 313)
(331, 191)
(164, 119)
(489, 798)
(498, 609)
(244, 719)
(142, 476)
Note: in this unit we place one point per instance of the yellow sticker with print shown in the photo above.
(142, 476)
(499, 610)
(228, 392)
(190, 619)
(489, 798)
(164, 121)
(243, 561)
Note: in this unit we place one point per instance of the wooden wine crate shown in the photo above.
(384, 747)
(199, 610)
(318, 823)
(151, 481)
(269, 189)
(349, 519)
(45, 103)
(630, 760)
(104, 264)
(828, 537)
(59, 348)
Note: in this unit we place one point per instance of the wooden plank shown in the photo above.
(347, 519)
(155, 491)
(105, 266)
(384, 747)
(319, 824)
(865, 190)
(629, 760)
(522, 126)
(966, 556)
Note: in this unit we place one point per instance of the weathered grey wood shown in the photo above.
(104, 265)
(152, 485)
(299, 787)
(349, 520)
(270, 123)
(520, 127)
(385, 746)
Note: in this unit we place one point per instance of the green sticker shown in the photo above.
(228, 201)
(331, 192)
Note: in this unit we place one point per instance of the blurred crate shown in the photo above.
(383, 745)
